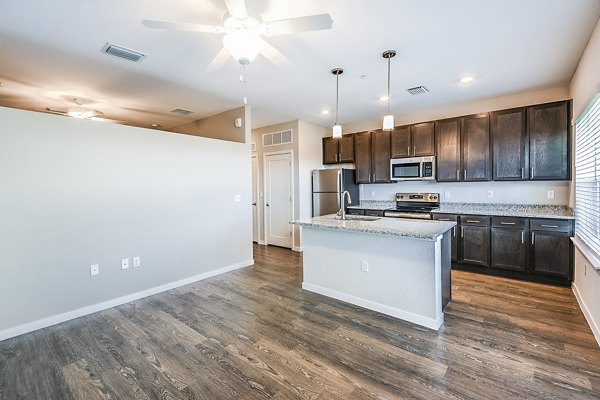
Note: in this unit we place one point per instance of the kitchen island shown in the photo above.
(399, 267)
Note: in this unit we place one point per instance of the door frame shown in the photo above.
(254, 157)
(292, 194)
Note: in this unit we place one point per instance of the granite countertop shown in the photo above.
(409, 228)
(373, 205)
(508, 210)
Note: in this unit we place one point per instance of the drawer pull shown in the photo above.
(522, 237)
(443, 219)
(462, 231)
(473, 221)
(532, 237)
(549, 226)
(508, 223)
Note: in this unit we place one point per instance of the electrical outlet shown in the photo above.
(94, 270)
(372, 193)
(489, 194)
(237, 198)
(550, 194)
(125, 263)
(447, 194)
(364, 266)
(136, 262)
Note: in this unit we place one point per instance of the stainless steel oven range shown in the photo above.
(414, 205)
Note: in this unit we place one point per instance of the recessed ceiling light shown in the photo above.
(466, 79)
(383, 98)
(155, 125)
(325, 112)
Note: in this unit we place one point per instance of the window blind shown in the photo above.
(587, 175)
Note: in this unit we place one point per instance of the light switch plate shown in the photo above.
(94, 270)
(136, 262)
(447, 194)
(550, 194)
(364, 266)
(125, 263)
(237, 198)
(489, 194)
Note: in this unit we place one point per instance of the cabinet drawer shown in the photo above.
(478, 220)
(554, 225)
(355, 211)
(445, 217)
(374, 213)
(510, 222)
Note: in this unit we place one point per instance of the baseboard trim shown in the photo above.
(80, 312)
(587, 314)
(297, 248)
(371, 305)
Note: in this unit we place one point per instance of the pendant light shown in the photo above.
(337, 128)
(388, 119)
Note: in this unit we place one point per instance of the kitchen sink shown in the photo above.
(356, 218)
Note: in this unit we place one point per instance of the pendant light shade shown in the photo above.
(388, 119)
(337, 128)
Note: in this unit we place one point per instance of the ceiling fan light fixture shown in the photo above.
(244, 46)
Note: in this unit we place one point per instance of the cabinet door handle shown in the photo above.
(443, 219)
(522, 172)
(549, 226)
(522, 237)
(465, 174)
(414, 150)
(408, 150)
(532, 237)
(462, 231)
(454, 230)
(531, 174)
(457, 175)
(472, 221)
(508, 223)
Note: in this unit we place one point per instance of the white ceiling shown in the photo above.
(50, 54)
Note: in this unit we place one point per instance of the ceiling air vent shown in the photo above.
(277, 138)
(181, 111)
(123, 52)
(418, 90)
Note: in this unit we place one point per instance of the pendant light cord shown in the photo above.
(337, 96)
(388, 86)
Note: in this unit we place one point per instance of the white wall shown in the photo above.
(475, 192)
(75, 193)
(584, 85)
(310, 156)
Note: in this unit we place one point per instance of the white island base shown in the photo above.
(407, 278)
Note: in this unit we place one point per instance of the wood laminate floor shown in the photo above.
(255, 334)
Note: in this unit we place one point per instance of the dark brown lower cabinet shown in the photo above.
(475, 245)
(453, 235)
(509, 249)
(551, 253)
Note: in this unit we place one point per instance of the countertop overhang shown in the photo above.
(409, 228)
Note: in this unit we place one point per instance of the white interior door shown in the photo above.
(278, 199)
(255, 218)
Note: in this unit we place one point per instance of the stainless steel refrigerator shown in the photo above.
(327, 187)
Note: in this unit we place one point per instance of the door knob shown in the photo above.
(268, 205)
(253, 204)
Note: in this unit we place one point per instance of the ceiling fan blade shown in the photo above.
(182, 26)
(276, 57)
(300, 24)
(237, 8)
(220, 59)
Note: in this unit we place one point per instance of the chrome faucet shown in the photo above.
(342, 212)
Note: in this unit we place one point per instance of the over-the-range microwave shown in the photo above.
(412, 169)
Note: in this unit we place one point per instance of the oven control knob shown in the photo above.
(400, 197)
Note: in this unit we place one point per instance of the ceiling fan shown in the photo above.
(243, 33)
(76, 112)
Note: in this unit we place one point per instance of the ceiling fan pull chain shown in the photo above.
(243, 80)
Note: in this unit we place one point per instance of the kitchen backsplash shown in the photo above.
(524, 192)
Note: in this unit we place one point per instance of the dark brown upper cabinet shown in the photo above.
(510, 144)
(338, 150)
(413, 140)
(372, 157)
(447, 143)
(475, 148)
(549, 130)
